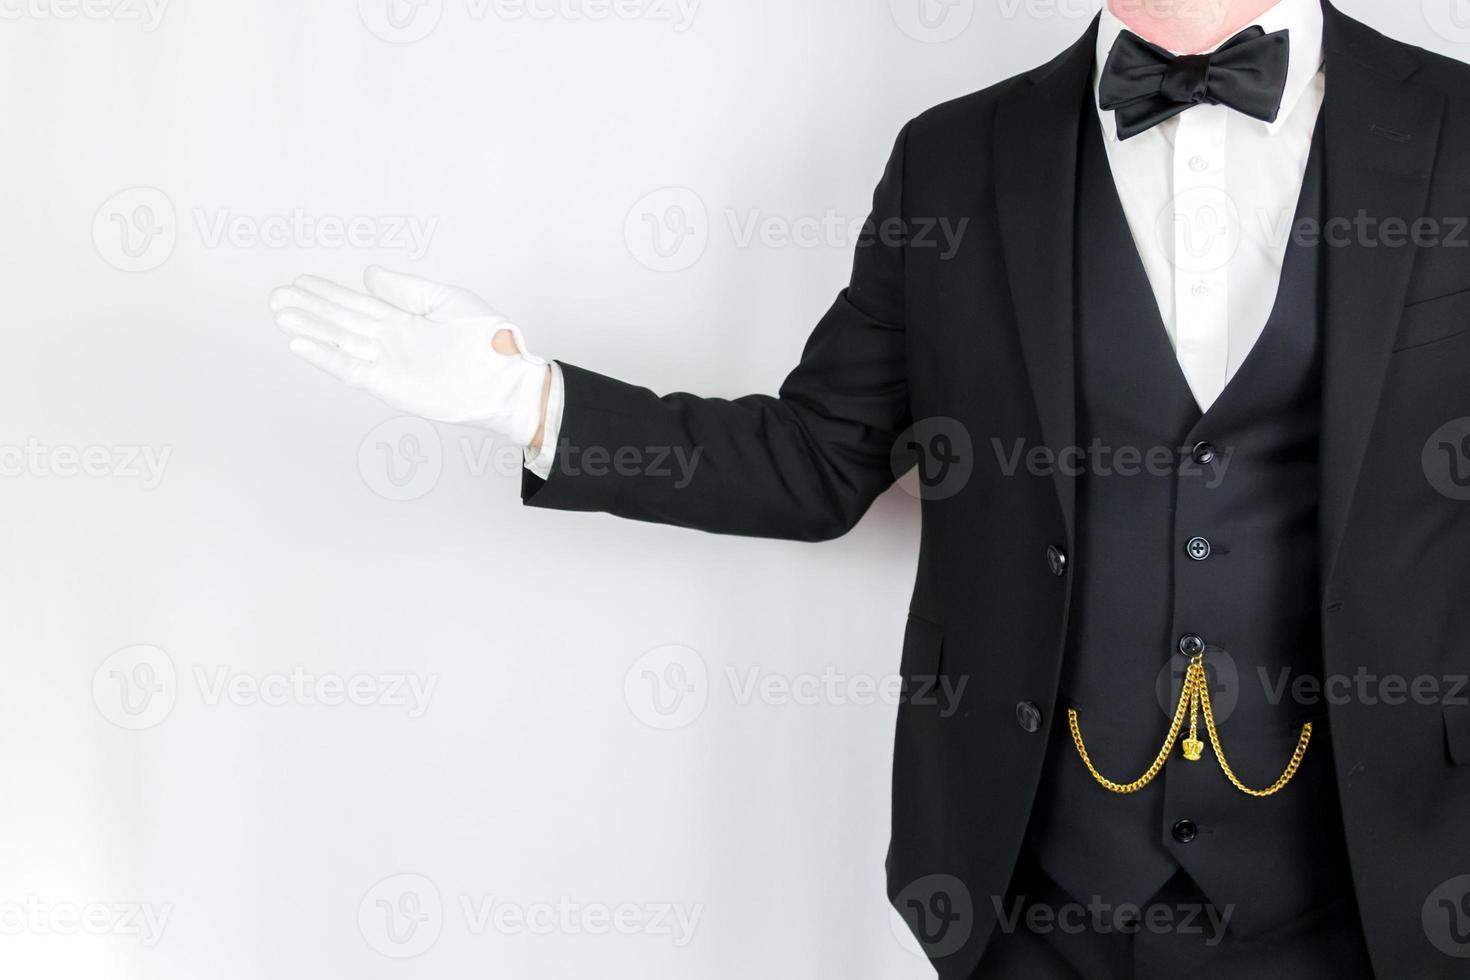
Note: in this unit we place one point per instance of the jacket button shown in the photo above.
(1028, 716)
(1185, 831)
(1203, 452)
(1191, 645)
(1056, 560)
(1198, 548)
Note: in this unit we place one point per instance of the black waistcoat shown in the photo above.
(1169, 548)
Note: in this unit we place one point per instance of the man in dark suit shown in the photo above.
(1202, 359)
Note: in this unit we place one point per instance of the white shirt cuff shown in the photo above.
(538, 461)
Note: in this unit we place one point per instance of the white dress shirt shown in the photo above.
(1210, 196)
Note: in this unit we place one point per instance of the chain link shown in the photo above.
(1194, 698)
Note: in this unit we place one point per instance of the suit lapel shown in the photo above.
(1381, 139)
(1035, 147)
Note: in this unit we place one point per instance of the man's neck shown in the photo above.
(1187, 28)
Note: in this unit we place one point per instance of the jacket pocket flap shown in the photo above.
(1431, 320)
(923, 643)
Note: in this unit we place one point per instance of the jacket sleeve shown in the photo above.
(803, 465)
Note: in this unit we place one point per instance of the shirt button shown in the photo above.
(1191, 645)
(1185, 831)
(1198, 548)
(1201, 290)
(1028, 716)
(1203, 452)
(1198, 164)
(1056, 560)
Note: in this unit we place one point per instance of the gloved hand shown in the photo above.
(431, 350)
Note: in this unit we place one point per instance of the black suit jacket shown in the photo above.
(984, 336)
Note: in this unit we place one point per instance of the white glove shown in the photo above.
(431, 350)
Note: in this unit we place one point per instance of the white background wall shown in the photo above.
(263, 541)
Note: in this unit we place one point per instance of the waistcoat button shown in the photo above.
(1028, 716)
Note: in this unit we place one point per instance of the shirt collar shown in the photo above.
(1303, 18)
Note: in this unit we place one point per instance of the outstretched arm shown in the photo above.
(804, 464)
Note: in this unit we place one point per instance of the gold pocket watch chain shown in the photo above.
(1193, 698)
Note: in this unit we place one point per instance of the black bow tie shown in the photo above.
(1145, 84)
